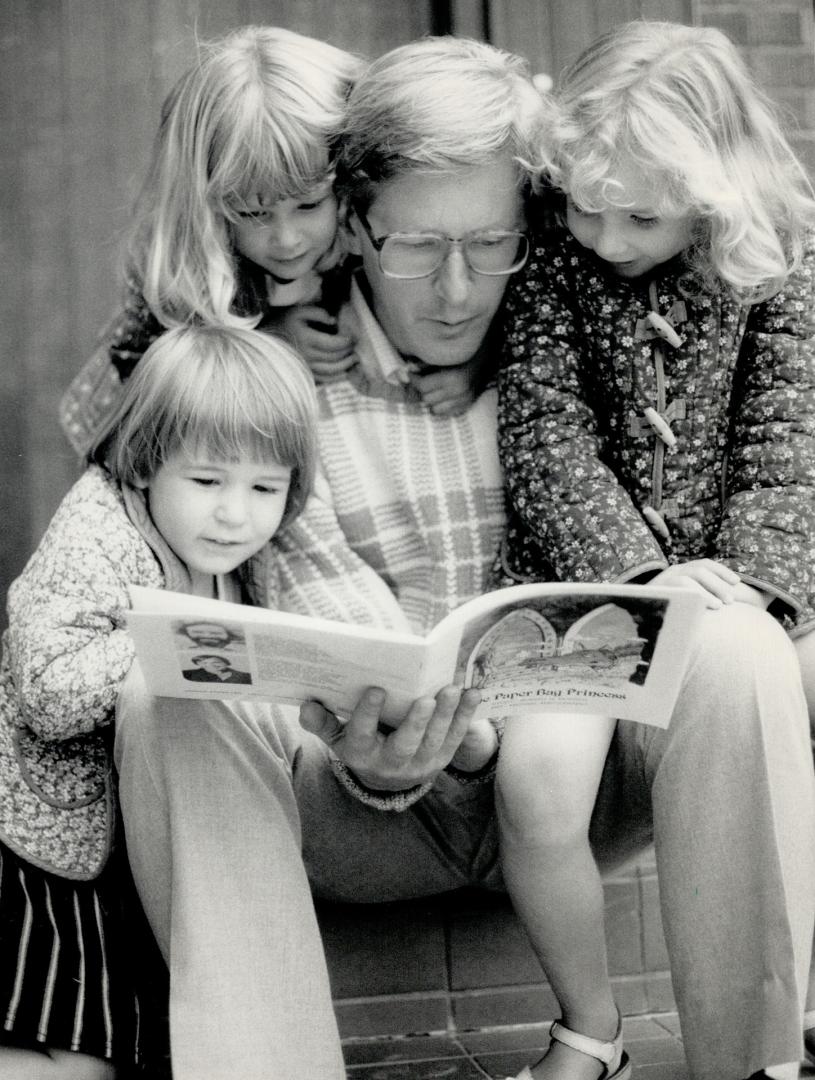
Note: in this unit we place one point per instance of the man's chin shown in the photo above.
(448, 353)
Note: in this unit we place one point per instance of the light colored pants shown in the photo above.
(231, 809)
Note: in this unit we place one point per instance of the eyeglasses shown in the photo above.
(407, 256)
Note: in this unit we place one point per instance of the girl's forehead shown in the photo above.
(632, 186)
(626, 184)
(266, 197)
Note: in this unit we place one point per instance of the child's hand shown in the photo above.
(447, 391)
(314, 334)
(477, 747)
(717, 582)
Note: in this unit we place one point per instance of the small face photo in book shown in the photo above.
(207, 634)
(213, 668)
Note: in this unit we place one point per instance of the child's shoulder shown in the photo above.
(89, 541)
(95, 485)
(92, 507)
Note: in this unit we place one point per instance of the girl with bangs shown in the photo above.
(657, 424)
(211, 451)
(236, 224)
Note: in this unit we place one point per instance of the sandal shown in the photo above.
(611, 1054)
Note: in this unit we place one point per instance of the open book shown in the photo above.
(615, 650)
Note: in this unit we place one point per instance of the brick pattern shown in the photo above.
(463, 963)
(778, 42)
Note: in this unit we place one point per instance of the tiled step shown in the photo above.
(462, 962)
(651, 1041)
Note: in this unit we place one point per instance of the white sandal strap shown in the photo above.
(602, 1051)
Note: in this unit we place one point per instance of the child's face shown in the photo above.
(632, 238)
(215, 514)
(287, 238)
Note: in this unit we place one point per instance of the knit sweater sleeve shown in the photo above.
(66, 647)
(566, 496)
(768, 525)
(311, 568)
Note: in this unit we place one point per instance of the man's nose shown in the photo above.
(454, 278)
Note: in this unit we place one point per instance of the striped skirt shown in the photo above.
(66, 972)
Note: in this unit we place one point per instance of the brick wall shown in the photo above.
(778, 41)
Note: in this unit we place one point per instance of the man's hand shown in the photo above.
(385, 759)
(314, 334)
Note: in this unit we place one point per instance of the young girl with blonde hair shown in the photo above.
(211, 451)
(237, 221)
(657, 424)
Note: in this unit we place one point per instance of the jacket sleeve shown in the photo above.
(768, 526)
(571, 502)
(67, 649)
(95, 391)
(310, 568)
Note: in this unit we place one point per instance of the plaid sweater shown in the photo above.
(408, 510)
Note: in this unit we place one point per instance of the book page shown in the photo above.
(611, 650)
(192, 647)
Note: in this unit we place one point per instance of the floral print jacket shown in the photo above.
(65, 655)
(642, 424)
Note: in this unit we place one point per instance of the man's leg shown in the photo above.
(214, 842)
(805, 647)
(731, 786)
(210, 795)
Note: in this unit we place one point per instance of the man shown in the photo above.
(209, 667)
(207, 635)
(232, 813)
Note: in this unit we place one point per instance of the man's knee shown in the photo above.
(135, 711)
(740, 640)
(145, 721)
(743, 675)
(805, 649)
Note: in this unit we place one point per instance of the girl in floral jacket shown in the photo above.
(657, 423)
(211, 450)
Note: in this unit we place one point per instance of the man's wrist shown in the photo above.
(395, 801)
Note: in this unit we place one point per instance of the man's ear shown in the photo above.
(349, 225)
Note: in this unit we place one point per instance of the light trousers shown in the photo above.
(233, 816)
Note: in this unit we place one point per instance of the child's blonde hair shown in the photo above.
(258, 114)
(680, 104)
(230, 392)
